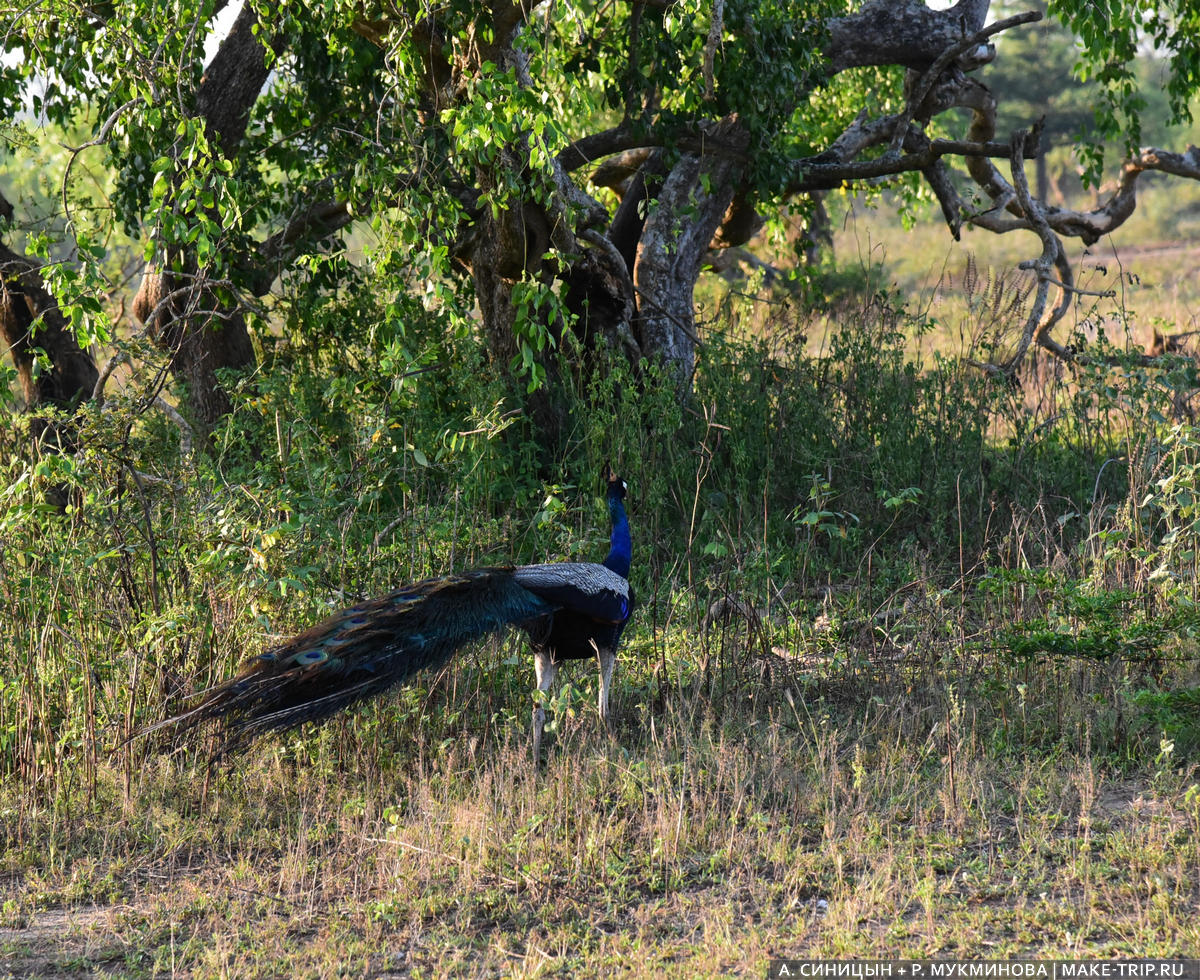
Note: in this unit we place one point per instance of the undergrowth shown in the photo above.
(911, 653)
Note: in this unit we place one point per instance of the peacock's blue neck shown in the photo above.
(621, 552)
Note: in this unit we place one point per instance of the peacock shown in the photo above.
(569, 610)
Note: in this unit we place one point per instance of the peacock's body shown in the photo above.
(570, 610)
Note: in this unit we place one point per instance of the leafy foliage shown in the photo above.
(1111, 36)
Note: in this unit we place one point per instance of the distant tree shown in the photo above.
(1034, 72)
(563, 169)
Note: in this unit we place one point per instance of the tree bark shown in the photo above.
(30, 323)
(30, 320)
(907, 33)
(691, 205)
(202, 333)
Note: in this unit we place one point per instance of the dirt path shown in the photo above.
(64, 943)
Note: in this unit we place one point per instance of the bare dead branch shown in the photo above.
(817, 173)
(119, 358)
(187, 437)
(937, 175)
(1075, 290)
(925, 84)
(1038, 322)
(1090, 226)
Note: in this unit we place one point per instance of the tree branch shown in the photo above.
(319, 221)
(1090, 226)
(596, 146)
(818, 174)
(943, 61)
(101, 137)
(1036, 323)
(233, 80)
(900, 32)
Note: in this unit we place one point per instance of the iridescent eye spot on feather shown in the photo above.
(310, 658)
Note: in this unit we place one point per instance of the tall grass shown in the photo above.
(902, 642)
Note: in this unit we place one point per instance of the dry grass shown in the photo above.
(973, 290)
(822, 812)
(870, 771)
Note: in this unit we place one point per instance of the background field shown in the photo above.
(913, 670)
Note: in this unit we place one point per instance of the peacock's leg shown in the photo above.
(545, 669)
(608, 659)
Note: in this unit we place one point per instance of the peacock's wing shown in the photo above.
(589, 589)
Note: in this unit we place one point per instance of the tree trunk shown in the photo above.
(692, 203)
(32, 323)
(202, 333)
(1042, 172)
(202, 336)
(30, 320)
(629, 277)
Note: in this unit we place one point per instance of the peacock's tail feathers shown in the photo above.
(361, 652)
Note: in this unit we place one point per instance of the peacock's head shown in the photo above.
(615, 487)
